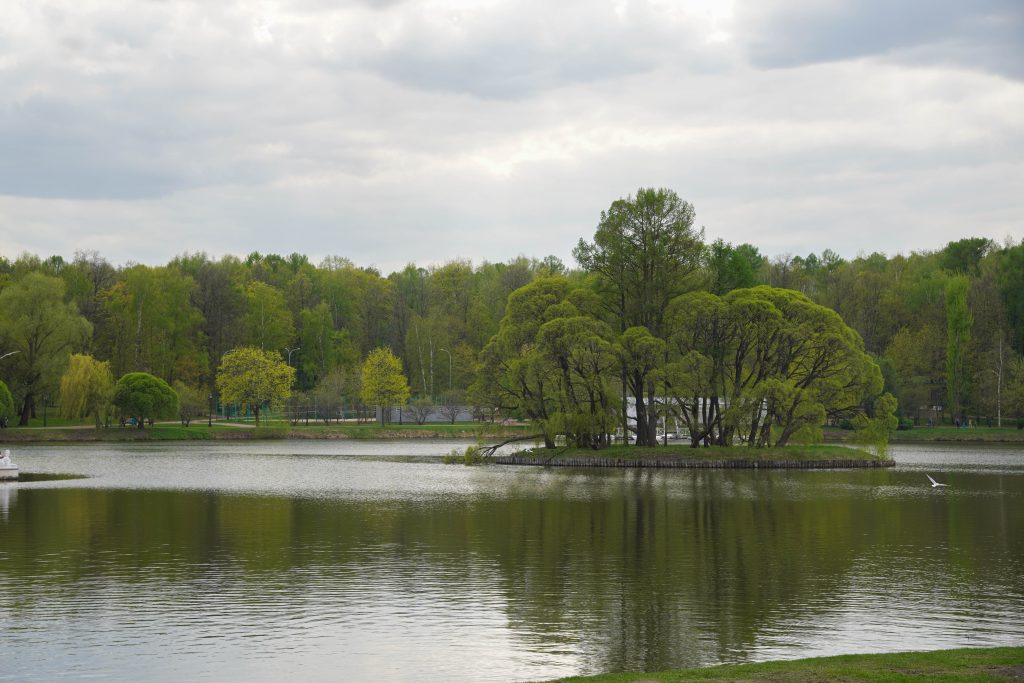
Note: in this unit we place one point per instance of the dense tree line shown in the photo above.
(654, 318)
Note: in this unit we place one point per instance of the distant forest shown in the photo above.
(946, 327)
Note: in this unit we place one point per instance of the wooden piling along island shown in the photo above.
(681, 457)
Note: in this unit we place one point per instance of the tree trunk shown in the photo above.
(27, 410)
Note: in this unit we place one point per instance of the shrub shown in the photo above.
(473, 455)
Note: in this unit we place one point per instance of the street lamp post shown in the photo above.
(209, 415)
(297, 348)
(10, 353)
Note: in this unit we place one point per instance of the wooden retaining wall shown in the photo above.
(677, 463)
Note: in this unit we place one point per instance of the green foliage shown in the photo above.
(87, 388)
(38, 324)
(875, 430)
(254, 378)
(964, 256)
(645, 253)
(730, 268)
(142, 396)
(149, 324)
(383, 383)
(6, 402)
(192, 403)
(176, 321)
(1010, 277)
(471, 455)
(268, 322)
(958, 338)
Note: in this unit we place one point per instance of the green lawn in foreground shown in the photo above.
(677, 451)
(974, 664)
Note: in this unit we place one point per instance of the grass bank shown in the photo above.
(198, 431)
(941, 434)
(683, 452)
(974, 664)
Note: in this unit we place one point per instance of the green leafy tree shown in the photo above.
(806, 365)
(964, 256)
(268, 322)
(144, 397)
(766, 363)
(86, 388)
(510, 377)
(958, 339)
(43, 329)
(323, 348)
(876, 428)
(254, 378)
(645, 253)
(550, 362)
(6, 404)
(384, 384)
(151, 325)
(192, 403)
(1011, 287)
(728, 268)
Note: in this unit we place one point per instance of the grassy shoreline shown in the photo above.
(975, 664)
(200, 431)
(940, 435)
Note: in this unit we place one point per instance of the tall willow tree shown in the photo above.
(765, 364)
(645, 253)
(86, 388)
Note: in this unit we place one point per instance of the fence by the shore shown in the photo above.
(692, 464)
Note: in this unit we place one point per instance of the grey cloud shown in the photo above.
(522, 51)
(986, 34)
(54, 149)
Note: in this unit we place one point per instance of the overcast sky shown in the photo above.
(390, 131)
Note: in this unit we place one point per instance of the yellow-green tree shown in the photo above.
(86, 388)
(254, 378)
(384, 383)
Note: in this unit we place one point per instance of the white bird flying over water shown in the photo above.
(934, 483)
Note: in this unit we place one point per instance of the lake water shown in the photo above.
(373, 561)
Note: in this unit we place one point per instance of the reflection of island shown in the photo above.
(8, 498)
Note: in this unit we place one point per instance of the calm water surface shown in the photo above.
(373, 561)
